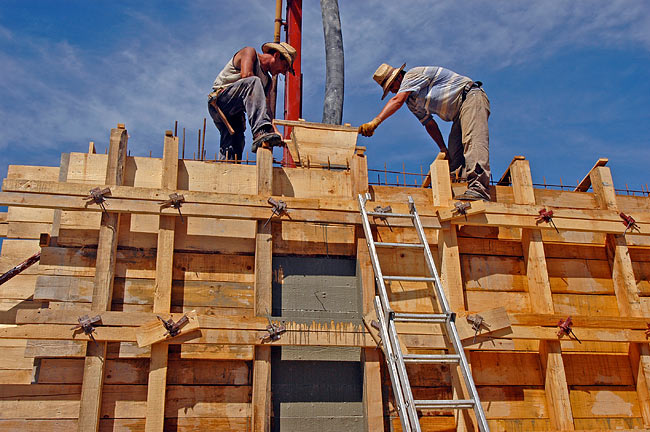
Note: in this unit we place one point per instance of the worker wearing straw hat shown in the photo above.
(452, 97)
(243, 86)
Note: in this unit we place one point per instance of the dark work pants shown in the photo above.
(244, 96)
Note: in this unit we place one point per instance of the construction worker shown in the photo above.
(452, 97)
(243, 86)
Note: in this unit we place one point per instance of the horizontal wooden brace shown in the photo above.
(525, 216)
(221, 211)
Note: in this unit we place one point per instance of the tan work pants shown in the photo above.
(469, 142)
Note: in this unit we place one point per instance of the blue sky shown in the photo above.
(567, 81)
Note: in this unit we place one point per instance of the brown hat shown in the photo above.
(287, 51)
(385, 75)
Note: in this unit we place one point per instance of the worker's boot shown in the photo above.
(472, 195)
(266, 137)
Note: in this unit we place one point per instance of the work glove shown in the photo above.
(367, 129)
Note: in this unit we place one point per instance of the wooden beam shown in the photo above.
(154, 331)
(539, 291)
(627, 295)
(555, 385)
(321, 334)
(505, 178)
(261, 400)
(585, 184)
(91, 390)
(359, 172)
(450, 277)
(313, 125)
(157, 384)
(639, 355)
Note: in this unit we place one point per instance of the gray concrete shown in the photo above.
(317, 388)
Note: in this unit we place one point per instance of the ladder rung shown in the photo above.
(395, 215)
(413, 317)
(403, 245)
(431, 358)
(409, 278)
(438, 404)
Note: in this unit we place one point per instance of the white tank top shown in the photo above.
(230, 74)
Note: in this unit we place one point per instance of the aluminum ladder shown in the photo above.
(395, 358)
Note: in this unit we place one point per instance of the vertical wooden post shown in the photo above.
(627, 296)
(93, 379)
(157, 384)
(539, 291)
(261, 403)
(359, 172)
(372, 397)
(450, 277)
(539, 287)
(450, 273)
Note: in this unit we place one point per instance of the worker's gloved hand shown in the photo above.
(445, 153)
(367, 129)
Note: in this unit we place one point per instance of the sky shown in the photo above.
(567, 80)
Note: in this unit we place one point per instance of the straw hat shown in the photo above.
(385, 75)
(287, 51)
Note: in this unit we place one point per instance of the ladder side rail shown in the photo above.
(442, 299)
(467, 375)
(374, 259)
(451, 325)
(392, 368)
(411, 411)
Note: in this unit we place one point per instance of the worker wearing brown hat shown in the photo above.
(243, 87)
(452, 97)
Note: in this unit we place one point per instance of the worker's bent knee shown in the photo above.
(251, 81)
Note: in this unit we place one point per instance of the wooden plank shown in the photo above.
(585, 184)
(154, 332)
(555, 384)
(505, 178)
(539, 290)
(627, 295)
(639, 355)
(359, 172)
(261, 402)
(604, 402)
(156, 387)
(91, 391)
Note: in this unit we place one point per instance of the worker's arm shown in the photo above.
(391, 107)
(434, 132)
(245, 59)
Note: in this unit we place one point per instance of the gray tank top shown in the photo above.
(230, 74)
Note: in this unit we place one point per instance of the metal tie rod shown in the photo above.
(393, 215)
(437, 404)
(431, 358)
(404, 245)
(412, 317)
(410, 278)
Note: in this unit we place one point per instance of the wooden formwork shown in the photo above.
(233, 273)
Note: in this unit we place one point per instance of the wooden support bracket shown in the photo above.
(505, 178)
(155, 331)
(585, 184)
